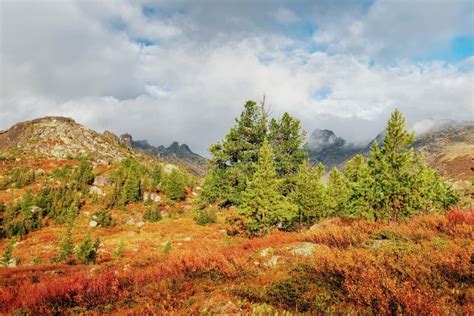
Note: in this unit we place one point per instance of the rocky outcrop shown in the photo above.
(58, 138)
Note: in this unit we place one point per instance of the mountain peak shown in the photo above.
(324, 137)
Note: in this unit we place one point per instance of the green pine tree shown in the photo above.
(87, 251)
(66, 247)
(309, 193)
(7, 254)
(262, 204)
(174, 185)
(337, 194)
(288, 140)
(403, 185)
(360, 182)
(234, 157)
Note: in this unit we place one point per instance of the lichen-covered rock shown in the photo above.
(155, 197)
(304, 249)
(266, 252)
(102, 181)
(273, 261)
(96, 190)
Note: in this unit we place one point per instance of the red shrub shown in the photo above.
(461, 216)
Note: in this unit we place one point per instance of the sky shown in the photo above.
(181, 70)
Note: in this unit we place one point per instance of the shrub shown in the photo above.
(66, 247)
(118, 252)
(87, 251)
(152, 214)
(206, 216)
(7, 254)
(166, 247)
(103, 218)
(18, 178)
(174, 185)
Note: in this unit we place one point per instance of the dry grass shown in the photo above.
(421, 266)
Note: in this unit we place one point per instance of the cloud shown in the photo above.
(192, 78)
(285, 16)
(390, 29)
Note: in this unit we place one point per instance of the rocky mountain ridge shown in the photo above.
(449, 147)
(56, 137)
(176, 153)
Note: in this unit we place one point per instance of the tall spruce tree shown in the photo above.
(403, 184)
(337, 194)
(309, 193)
(360, 182)
(287, 139)
(262, 204)
(234, 158)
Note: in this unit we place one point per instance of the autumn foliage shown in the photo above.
(422, 266)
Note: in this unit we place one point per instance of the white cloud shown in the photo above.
(285, 15)
(191, 84)
(393, 29)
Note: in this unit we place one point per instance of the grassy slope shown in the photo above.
(422, 266)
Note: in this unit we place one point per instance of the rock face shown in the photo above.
(126, 139)
(59, 138)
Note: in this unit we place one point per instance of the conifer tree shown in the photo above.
(66, 247)
(83, 174)
(337, 194)
(262, 204)
(156, 176)
(403, 184)
(309, 193)
(234, 158)
(287, 139)
(360, 181)
(174, 185)
(7, 254)
(87, 250)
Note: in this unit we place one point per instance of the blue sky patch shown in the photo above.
(321, 94)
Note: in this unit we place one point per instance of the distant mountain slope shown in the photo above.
(175, 152)
(324, 147)
(450, 150)
(449, 147)
(60, 137)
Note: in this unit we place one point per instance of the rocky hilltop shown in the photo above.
(60, 137)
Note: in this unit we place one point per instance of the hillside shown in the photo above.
(152, 250)
(59, 138)
(449, 148)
